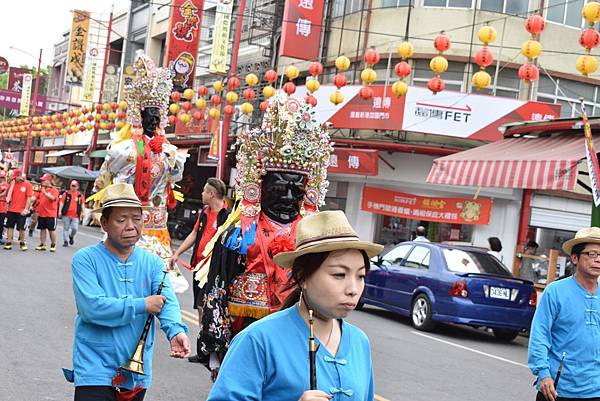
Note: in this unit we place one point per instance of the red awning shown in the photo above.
(534, 163)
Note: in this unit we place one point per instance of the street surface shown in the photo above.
(451, 364)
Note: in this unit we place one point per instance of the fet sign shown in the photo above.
(3, 65)
(301, 32)
(354, 161)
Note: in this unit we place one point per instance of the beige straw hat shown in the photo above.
(119, 195)
(589, 235)
(325, 232)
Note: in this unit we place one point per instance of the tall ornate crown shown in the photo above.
(289, 140)
(151, 87)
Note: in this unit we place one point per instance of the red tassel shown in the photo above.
(171, 201)
(129, 395)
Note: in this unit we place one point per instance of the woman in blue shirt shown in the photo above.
(269, 360)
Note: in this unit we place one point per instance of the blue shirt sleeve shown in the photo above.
(93, 305)
(242, 373)
(170, 315)
(540, 336)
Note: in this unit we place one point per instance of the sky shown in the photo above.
(34, 24)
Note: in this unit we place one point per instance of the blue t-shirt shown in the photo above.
(268, 361)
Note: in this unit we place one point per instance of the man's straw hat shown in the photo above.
(325, 232)
(589, 235)
(119, 195)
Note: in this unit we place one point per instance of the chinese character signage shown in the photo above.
(218, 57)
(90, 75)
(354, 161)
(110, 83)
(77, 47)
(126, 78)
(182, 41)
(213, 150)
(15, 78)
(443, 210)
(301, 31)
(11, 100)
(25, 95)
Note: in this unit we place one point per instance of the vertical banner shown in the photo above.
(26, 95)
(592, 158)
(182, 42)
(301, 31)
(90, 75)
(126, 78)
(110, 84)
(213, 150)
(15, 78)
(218, 57)
(77, 47)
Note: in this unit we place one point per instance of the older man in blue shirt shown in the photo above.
(567, 321)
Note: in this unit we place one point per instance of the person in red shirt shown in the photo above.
(19, 199)
(47, 210)
(213, 214)
(3, 192)
(71, 211)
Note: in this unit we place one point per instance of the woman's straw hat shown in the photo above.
(325, 232)
(590, 235)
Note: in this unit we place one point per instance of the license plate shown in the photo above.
(499, 293)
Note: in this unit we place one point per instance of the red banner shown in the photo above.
(15, 78)
(301, 31)
(354, 161)
(443, 210)
(182, 41)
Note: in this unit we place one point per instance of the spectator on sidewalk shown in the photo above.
(3, 192)
(19, 199)
(495, 248)
(421, 233)
(71, 211)
(47, 210)
(527, 270)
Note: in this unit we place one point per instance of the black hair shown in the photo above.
(577, 249)
(421, 231)
(531, 244)
(218, 185)
(106, 212)
(495, 244)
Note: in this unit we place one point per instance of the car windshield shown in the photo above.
(461, 261)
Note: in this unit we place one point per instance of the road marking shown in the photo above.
(189, 314)
(470, 349)
(185, 314)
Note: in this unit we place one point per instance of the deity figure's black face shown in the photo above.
(150, 120)
(282, 194)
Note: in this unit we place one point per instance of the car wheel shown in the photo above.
(505, 335)
(421, 313)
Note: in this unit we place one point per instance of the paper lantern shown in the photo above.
(402, 69)
(202, 90)
(216, 99)
(529, 72)
(231, 97)
(187, 106)
(123, 105)
(531, 49)
(591, 12)
(366, 92)
(289, 88)
(484, 57)
(312, 85)
(264, 105)
(271, 76)
(436, 84)
(405, 50)
(315, 68)
(340, 80)
(589, 38)
(336, 97)
(247, 108)
(268, 91)
(201, 104)
(441, 42)
(218, 86)
(481, 79)
(342, 63)
(174, 108)
(249, 94)
(172, 120)
(214, 113)
(106, 106)
(292, 72)
(197, 115)
(368, 76)
(438, 64)
(487, 34)
(535, 24)
(251, 79)
(399, 88)
(586, 64)
(229, 109)
(372, 56)
(188, 94)
(310, 99)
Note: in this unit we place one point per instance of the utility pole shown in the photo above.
(27, 158)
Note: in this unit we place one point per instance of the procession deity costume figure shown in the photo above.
(281, 176)
(142, 156)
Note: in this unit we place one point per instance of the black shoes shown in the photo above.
(194, 359)
(71, 240)
(65, 244)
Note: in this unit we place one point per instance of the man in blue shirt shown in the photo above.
(113, 283)
(567, 321)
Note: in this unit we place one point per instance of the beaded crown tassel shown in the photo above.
(291, 140)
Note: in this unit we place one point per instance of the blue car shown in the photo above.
(433, 282)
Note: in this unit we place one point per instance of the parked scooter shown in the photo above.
(185, 224)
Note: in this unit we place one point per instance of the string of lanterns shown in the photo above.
(439, 64)
(532, 48)
(483, 57)
(403, 69)
(368, 75)
(589, 39)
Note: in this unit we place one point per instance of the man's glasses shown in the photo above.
(591, 254)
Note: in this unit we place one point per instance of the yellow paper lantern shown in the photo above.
(531, 49)
(591, 12)
(106, 107)
(123, 105)
(438, 64)
(586, 64)
(336, 97)
(487, 34)
(268, 91)
(251, 79)
(399, 88)
(368, 76)
(342, 63)
(185, 118)
(231, 97)
(103, 125)
(218, 86)
(214, 113)
(174, 108)
(201, 104)
(481, 79)
(292, 72)
(313, 85)
(188, 94)
(119, 124)
(405, 50)
(112, 116)
(247, 108)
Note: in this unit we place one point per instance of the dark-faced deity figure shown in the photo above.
(282, 194)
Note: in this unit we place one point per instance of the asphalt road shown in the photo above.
(451, 364)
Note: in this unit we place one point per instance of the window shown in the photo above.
(462, 261)
(417, 257)
(566, 12)
(395, 3)
(396, 255)
(514, 7)
(448, 3)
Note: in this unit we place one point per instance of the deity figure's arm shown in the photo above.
(118, 165)
(175, 161)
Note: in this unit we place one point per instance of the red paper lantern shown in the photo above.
(229, 109)
(529, 72)
(90, 117)
(202, 90)
(197, 115)
(315, 68)
(98, 108)
(84, 110)
(104, 116)
(441, 42)
(484, 57)
(340, 80)
(233, 83)
(366, 92)
(264, 105)
(589, 38)
(249, 94)
(289, 88)
(175, 96)
(172, 119)
(187, 106)
(372, 56)
(436, 84)
(310, 99)
(535, 24)
(402, 69)
(271, 76)
(114, 105)
(110, 126)
(215, 99)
